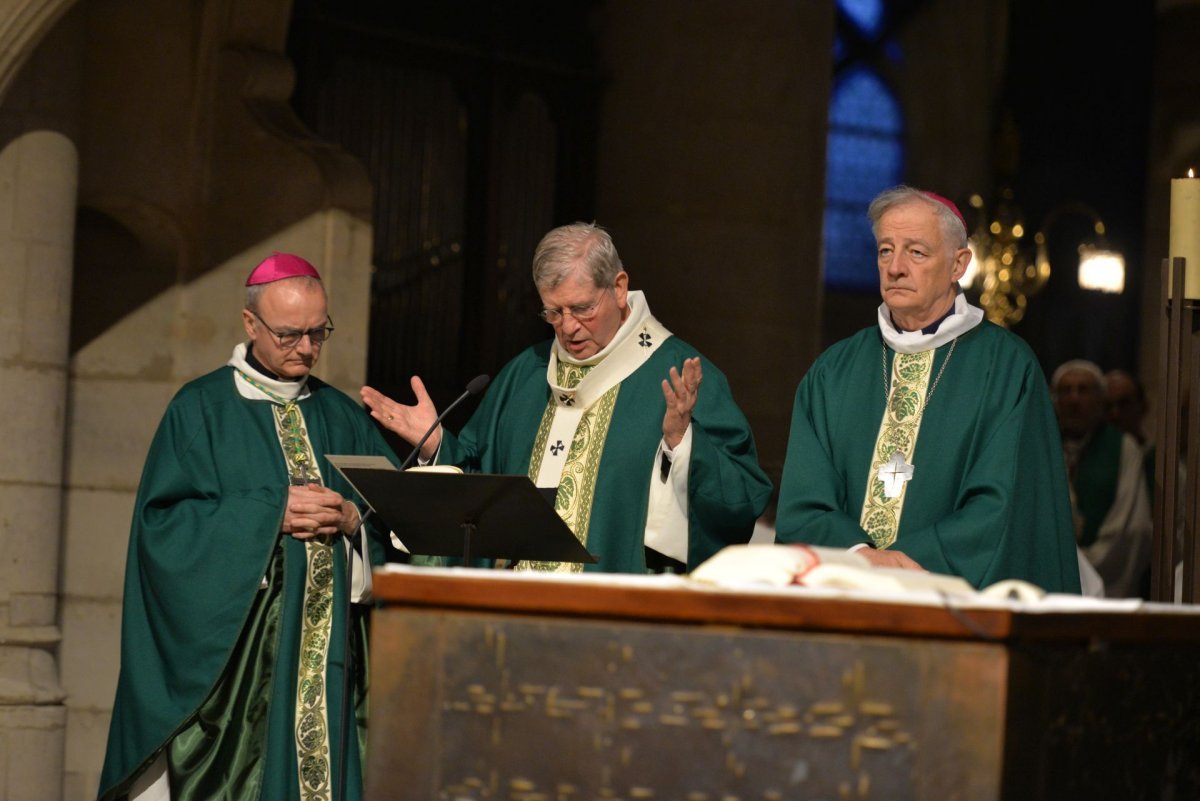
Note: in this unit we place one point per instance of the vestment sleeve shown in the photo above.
(1012, 515)
(470, 447)
(812, 494)
(199, 546)
(727, 490)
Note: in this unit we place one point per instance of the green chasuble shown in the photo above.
(214, 596)
(727, 490)
(1096, 474)
(988, 497)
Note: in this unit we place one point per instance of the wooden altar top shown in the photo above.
(675, 599)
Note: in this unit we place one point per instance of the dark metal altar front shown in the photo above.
(523, 710)
(475, 705)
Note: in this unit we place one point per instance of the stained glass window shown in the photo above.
(865, 154)
(867, 15)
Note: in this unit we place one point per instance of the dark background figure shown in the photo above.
(1107, 475)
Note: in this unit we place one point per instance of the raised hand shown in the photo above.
(410, 422)
(680, 393)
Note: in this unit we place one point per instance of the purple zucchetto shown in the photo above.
(278, 266)
(948, 203)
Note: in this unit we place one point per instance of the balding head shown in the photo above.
(1126, 402)
(1077, 387)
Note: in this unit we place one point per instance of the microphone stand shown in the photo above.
(349, 719)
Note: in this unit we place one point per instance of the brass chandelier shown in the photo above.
(1006, 274)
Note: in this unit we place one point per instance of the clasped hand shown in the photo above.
(313, 510)
(889, 558)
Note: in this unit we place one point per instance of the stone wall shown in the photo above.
(141, 178)
(711, 165)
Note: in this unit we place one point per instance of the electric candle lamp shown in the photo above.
(1185, 230)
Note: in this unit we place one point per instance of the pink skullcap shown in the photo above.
(948, 204)
(278, 266)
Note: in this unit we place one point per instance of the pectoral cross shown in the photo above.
(893, 474)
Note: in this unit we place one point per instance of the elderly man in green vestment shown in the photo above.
(650, 469)
(234, 628)
(928, 441)
(1105, 468)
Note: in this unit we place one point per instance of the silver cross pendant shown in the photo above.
(893, 474)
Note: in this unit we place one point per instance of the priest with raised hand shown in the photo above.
(928, 441)
(651, 469)
(234, 621)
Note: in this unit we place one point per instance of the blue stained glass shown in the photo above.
(865, 154)
(859, 165)
(862, 100)
(866, 14)
(849, 250)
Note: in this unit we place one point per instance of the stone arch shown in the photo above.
(24, 24)
(134, 250)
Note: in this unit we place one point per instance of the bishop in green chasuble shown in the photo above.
(937, 440)
(724, 492)
(645, 463)
(232, 657)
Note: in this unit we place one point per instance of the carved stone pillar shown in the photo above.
(38, 178)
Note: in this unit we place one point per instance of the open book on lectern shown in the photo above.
(466, 515)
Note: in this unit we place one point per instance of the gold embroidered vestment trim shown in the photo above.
(312, 713)
(898, 432)
(577, 485)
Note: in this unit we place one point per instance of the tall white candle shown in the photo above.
(1185, 230)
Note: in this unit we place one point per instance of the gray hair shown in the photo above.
(1083, 366)
(564, 247)
(953, 229)
(254, 293)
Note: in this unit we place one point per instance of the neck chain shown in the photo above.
(282, 401)
(292, 435)
(887, 378)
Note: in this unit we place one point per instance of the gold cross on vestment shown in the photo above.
(893, 474)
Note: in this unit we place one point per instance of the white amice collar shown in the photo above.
(638, 312)
(963, 319)
(269, 389)
(635, 342)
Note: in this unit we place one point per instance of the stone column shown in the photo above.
(710, 178)
(38, 178)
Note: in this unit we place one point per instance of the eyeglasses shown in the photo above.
(290, 338)
(583, 313)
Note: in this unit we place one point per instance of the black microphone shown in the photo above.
(474, 387)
